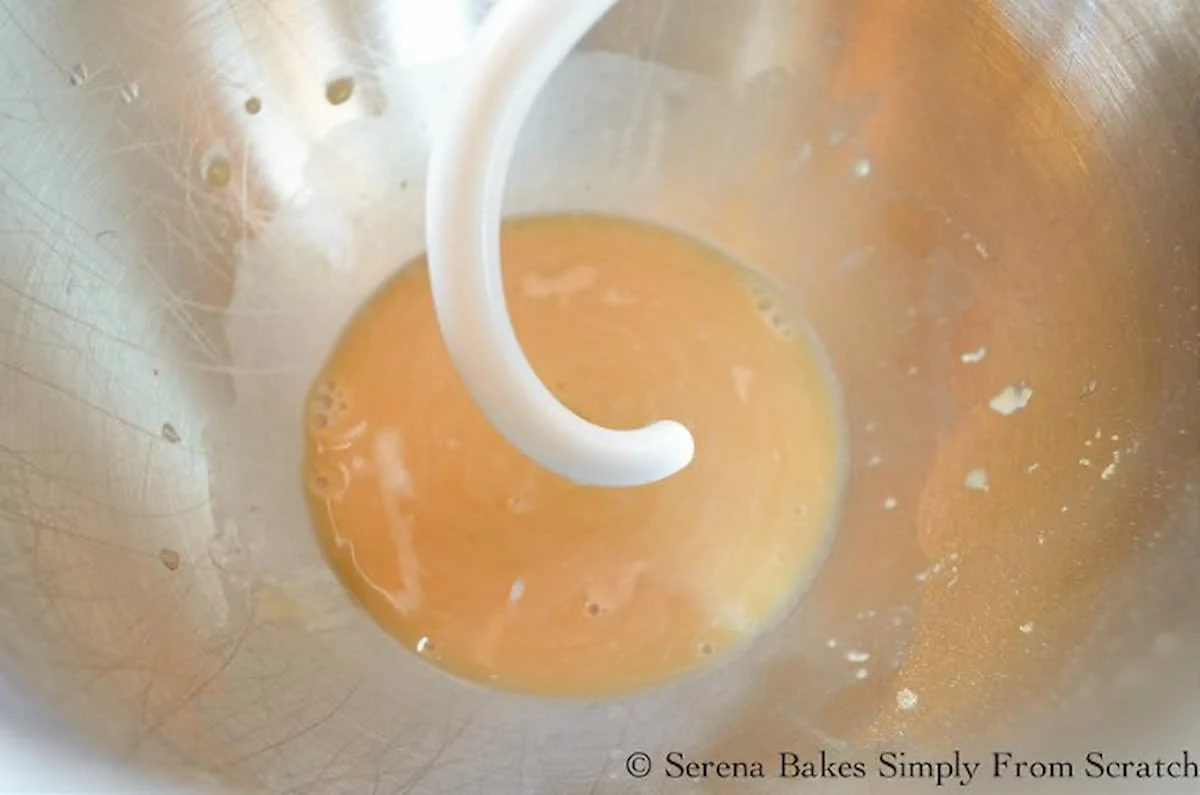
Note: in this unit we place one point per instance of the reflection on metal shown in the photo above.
(1033, 190)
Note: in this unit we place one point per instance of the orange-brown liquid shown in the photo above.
(503, 573)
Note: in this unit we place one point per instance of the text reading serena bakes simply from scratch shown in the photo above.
(954, 769)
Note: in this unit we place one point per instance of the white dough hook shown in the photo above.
(519, 46)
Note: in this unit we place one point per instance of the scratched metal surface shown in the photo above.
(186, 218)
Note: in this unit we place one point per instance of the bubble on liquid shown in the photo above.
(80, 74)
(253, 105)
(328, 482)
(769, 309)
(328, 406)
(424, 645)
(781, 324)
(339, 90)
(218, 172)
(906, 699)
(862, 168)
(130, 92)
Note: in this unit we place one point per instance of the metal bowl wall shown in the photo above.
(964, 197)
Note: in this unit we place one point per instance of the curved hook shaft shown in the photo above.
(521, 44)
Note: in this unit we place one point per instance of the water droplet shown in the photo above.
(424, 645)
(889, 503)
(80, 74)
(861, 674)
(705, 649)
(170, 434)
(1110, 471)
(219, 172)
(974, 357)
(253, 105)
(855, 656)
(862, 168)
(906, 699)
(592, 609)
(1026, 628)
(170, 558)
(339, 90)
(1011, 400)
(130, 92)
(977, 480)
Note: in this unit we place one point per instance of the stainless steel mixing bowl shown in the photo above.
(965, 197)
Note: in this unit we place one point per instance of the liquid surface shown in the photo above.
(505, 574)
